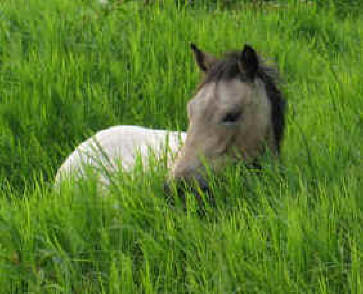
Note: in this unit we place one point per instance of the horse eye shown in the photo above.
(231, 117)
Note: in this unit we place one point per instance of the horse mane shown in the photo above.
(228, 68)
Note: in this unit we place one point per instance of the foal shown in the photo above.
(237, 113)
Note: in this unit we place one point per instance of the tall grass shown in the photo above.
(69, 68)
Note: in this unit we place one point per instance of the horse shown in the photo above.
(236, 114)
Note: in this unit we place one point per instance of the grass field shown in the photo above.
(69, 68)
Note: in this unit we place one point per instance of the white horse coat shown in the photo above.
(119, 145)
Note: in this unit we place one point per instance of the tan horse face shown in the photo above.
(229, 117)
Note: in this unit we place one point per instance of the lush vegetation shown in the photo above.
(69, 68)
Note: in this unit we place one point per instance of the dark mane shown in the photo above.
(228, 68)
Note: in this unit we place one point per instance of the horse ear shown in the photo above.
(249, 62)
(204, 60)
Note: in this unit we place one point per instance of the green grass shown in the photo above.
(69, 68)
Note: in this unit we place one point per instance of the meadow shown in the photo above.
(69, 68)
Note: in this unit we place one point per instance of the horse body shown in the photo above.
(237, 113)
(120, 145)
